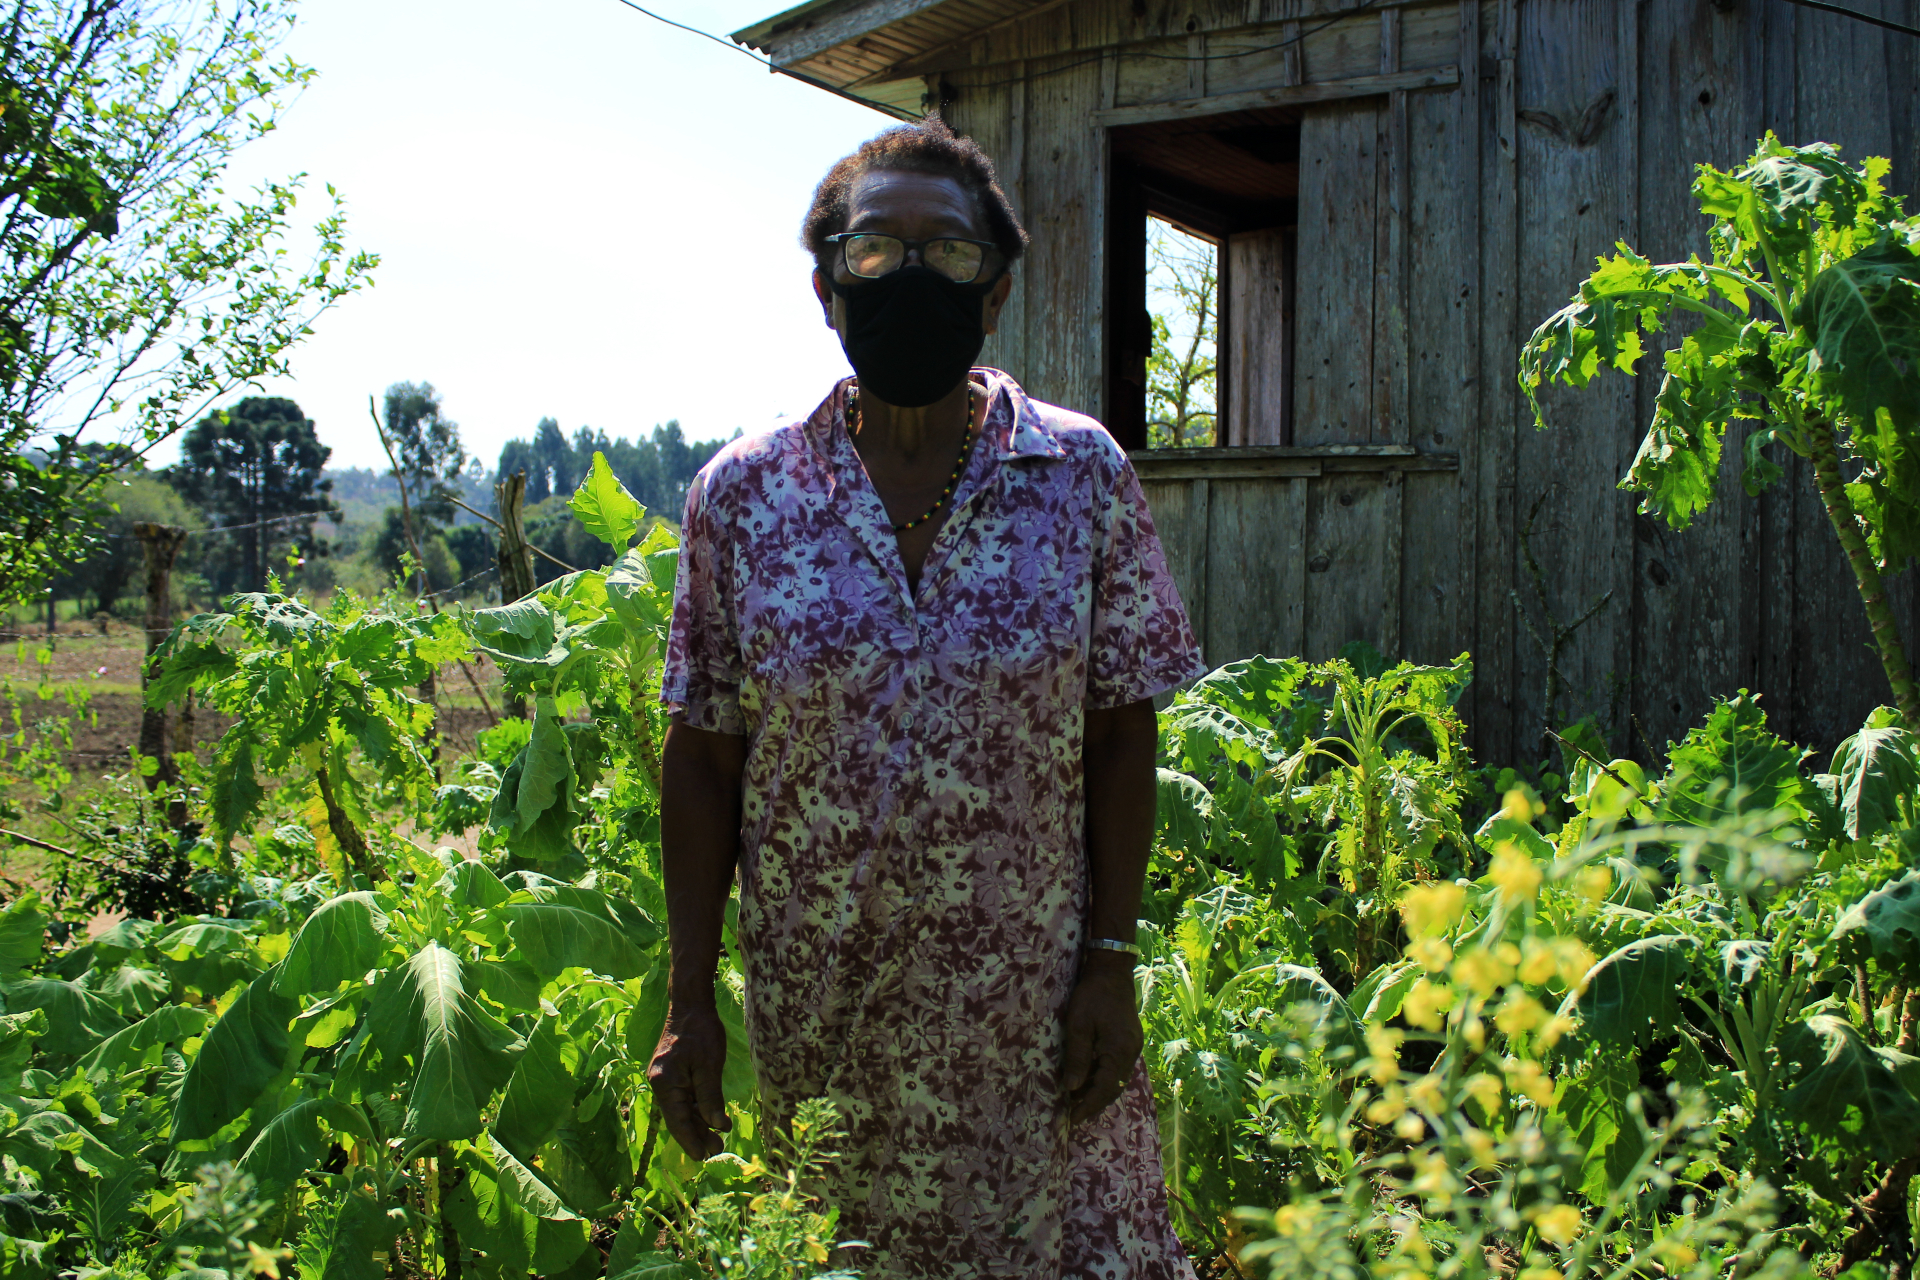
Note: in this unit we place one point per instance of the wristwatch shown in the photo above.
(1113, 944)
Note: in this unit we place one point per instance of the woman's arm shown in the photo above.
(699, 844)
(1103, 1035)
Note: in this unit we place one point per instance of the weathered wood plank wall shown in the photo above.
(1435, 229)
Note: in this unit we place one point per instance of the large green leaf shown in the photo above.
(568, 926)
(524, 1185)
(1841, 1091)
(587, 1160)
(1594, 1105)
(1732, 765)
(169, 1024)
(605, 508)
(134, 991)
(292, 1143)
(1884, 926)
(103, 1203)
(1634, 993)
(344, 1228)
(338, 943)
(1872, 770)
(1184, 811)
(77, 1019)
(1298, 987)
(235, 794)
(1863, 314)
(548, 768)
(540, 1094)
(241, 1056)
(460, 1053)
(23, 929)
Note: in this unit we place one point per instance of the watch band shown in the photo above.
(1113, 944)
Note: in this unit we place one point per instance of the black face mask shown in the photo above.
(912, 335)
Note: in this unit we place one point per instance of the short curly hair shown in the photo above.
(926, 147)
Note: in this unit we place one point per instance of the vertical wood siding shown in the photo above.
(1435, 230)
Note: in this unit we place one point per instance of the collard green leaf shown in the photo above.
(460, 1053)
(1732, 765)
(77, 1019)
(344, 1228)
(1863, 313)
(525, 1187)
(338, 943)
(656, 1266)
(1184, 811)
(1298, 987)
(1633, 994)
(1594, 1105)
(473, 885)
(1884, 926)
(1839, 1090)
(605, 508)
(241, 1056)
(27, 1259)
(23, 930)
(1873, 769)
(103, 1204)
(587, 1160)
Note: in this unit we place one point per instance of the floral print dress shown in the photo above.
(913, 871)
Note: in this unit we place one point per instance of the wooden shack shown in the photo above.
(1402, 190)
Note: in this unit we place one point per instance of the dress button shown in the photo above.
(903, 825)
(906, 721)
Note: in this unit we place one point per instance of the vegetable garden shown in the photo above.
(1408, 1015)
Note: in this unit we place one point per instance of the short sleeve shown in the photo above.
(1142, 643)
(700, 677)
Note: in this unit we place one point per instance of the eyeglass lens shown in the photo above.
(873, 256)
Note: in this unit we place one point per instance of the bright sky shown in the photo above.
(581, 213)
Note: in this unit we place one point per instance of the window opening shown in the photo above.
(1221, 188)
(1183, 290)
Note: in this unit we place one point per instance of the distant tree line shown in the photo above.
(253, 485)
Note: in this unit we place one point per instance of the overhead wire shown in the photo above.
(1826, 7)
(1140, 54)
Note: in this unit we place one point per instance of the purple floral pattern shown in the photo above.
(913, 877)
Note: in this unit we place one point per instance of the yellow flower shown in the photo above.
(1388, 1107)
(1427, 1004)
(1529, 1079)
(1575, 961)
(1520, 807)
(1675, 1254)
(1428, 1093)
(1559, 1224)
(1383, 1050)
(1520, 1013)
(1433, 908)
(1431, 954)
(1410, 1127)
(1481, 971)
(1475, 1032)
(1486, 1090)
(1431, 1175)
(263, 1262)
(1594, 882)
(1480, 1144)
(1538, 963)
(1541, 1273)
(1515, 874)
(1555, 1028)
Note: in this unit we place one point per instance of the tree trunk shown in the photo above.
(161, 544)
(1866, 575)
(449, 1176)
(515, 555)
(353, 845)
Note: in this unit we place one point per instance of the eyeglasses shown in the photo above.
(870, 255)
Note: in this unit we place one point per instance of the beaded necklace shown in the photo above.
(959, 465)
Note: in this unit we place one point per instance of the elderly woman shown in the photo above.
(914, 645)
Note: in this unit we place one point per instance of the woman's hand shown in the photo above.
(1103, 1035)
(685, 1075)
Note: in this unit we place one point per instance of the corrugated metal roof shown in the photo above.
(864, 45)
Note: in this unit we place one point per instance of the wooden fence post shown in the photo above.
(515, 556)
(161, 543)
